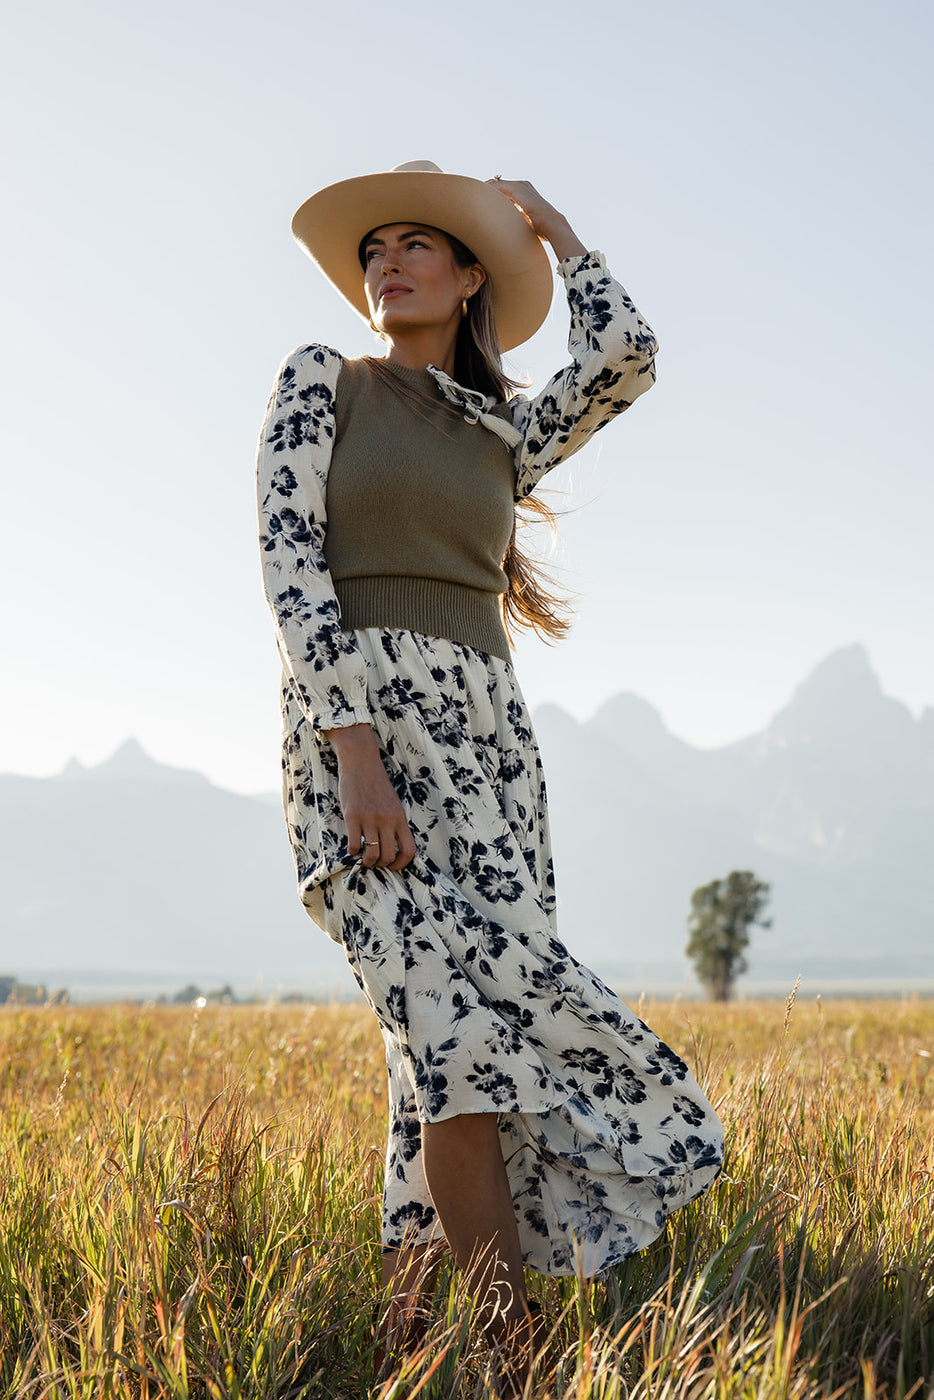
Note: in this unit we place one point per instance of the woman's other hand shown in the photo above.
(375, 818)
(547, 222)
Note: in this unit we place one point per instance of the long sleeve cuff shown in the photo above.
(341, 717)
(582, 262)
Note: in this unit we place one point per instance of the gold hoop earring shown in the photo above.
(463, 308)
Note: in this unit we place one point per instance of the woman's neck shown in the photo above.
(424, 346)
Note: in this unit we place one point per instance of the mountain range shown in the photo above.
(133, 873)
(833, 804)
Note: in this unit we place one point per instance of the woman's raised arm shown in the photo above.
(612, 349)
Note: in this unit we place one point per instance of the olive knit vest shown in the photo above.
(420, 511)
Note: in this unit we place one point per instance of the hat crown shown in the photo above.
(416, 165)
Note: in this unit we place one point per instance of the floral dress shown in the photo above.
(482, 1009)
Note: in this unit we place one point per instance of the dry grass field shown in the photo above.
(189, 1207)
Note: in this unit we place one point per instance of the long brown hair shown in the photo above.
(531, 601)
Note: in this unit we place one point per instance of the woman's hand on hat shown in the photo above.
(548, 223)
(376, 823)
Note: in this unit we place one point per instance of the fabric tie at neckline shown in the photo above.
(476, 407)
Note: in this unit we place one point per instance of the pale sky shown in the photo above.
(758, 177)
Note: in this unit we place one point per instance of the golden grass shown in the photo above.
(189, 1207)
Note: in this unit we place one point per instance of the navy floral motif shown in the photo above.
(482, 1008)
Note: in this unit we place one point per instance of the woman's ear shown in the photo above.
(475, 280)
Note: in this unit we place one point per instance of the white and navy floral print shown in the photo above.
(482, 1009)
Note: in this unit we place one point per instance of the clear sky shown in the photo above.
(758, 177)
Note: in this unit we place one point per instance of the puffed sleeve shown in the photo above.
(323, 664)
(612, 363)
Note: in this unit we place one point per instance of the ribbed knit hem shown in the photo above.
(433, 606)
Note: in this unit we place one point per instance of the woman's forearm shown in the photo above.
(565, 242)
(352, 740)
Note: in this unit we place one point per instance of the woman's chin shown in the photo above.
(397, 319)
(394, 319)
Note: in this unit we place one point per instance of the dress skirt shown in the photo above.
(604, 1130)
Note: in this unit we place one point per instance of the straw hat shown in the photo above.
(331, 224)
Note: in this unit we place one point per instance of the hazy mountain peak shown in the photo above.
(846, 674)
(636, 713)
(636, 726)
(131, 761)
(554, 714)
(841, 707)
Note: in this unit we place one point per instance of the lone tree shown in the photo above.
(722, 914)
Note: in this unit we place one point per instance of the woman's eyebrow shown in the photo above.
(409, 233)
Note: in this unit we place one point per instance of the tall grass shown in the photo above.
(189, 1206)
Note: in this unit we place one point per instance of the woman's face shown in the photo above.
(412, 280)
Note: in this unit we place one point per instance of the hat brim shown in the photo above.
(331, 224)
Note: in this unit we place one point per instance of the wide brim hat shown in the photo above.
(332, 223)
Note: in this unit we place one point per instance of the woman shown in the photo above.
(533, 1118)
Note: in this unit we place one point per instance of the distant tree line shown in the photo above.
(30, 993)
(220, 996)
(223, 996)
